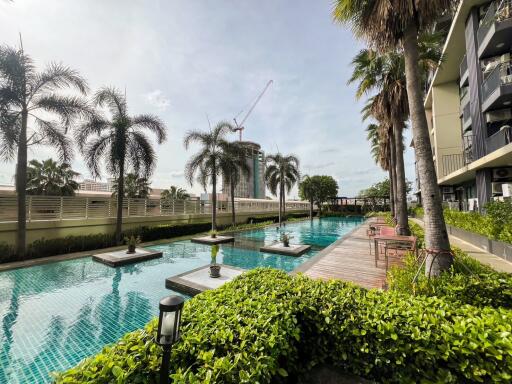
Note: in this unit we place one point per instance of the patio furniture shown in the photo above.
(384, 239)
(400, 247)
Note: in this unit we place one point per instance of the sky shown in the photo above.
(188, 60)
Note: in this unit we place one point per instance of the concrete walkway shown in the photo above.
(495, 262)
(349, 259)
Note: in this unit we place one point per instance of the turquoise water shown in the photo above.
(54, 315)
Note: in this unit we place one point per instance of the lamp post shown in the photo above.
(168, 331)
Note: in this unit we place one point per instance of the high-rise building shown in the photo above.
(469, 106)
(251, 186)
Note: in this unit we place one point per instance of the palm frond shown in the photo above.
(58, 76)
(54, 136)
(113, 99)
(68, 108)
(153, 124)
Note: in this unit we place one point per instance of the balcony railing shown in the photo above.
(452, 163)
(467, 148)
(497, 12)
(499, 139)
(500, 75)
(463, 66)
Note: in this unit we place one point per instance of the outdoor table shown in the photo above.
(390, 238)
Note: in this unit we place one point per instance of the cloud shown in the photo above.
(157, 99)
(176, 173)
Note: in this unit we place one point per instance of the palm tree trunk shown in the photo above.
(311, 209)
(284, 204)
(393, 172)
(391, 192)
(280, 203)
(436, 236)
(21, 188)
(120, 198)
(214, 201)
(233, 216)
(401, 187)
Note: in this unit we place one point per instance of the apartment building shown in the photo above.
(469, 106)
(251, 186)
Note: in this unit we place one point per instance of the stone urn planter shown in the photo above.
(132, 244)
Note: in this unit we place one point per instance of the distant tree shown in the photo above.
(307, 192)
(381, 189)
(281, 175)
(174, 193)
(134, 187)
(50, 178)
(318, 189)
(234, 167)
(29, 103)
(120, 141)
(207, 163)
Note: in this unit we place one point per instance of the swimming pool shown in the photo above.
(56, 314)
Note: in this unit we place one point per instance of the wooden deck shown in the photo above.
(349, 259)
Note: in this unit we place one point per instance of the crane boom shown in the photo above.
(240, 126)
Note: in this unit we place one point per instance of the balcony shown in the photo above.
(499, 139)
(495, 32)
(464, 73)
(465, 110)
(497, 87)
(467, 148)
(453, 162)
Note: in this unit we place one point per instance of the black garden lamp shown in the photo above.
(168, 331)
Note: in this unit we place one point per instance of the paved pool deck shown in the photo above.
(495, 262)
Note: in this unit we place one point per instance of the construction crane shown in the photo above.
(240, 126)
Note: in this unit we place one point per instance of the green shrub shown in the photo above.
(266, 326)
(467, 282)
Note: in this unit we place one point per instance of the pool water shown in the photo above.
(56, 314)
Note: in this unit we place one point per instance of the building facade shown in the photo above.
(469, 106)
(251, 186)
(96, 186)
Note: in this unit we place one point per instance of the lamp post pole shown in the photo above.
(164, 369)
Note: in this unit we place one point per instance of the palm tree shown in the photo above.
(234, 167)
(134, 187)
(120, 141)
(50, 178)
(387, 24)
(174, 193)
(381, 153)
(281, 174)
(32, 112)
(207, 163)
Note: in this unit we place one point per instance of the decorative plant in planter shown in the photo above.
(213, 234)
(132, 242)
(214, 267)
(285, 239)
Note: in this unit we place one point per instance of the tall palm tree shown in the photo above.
(381, 153)
(50, 178)
(120, 141)
(234, 167)
(33, 112)
(135, 187)
(174, 193)
(207, 163)
(281, 174)
(387, 24)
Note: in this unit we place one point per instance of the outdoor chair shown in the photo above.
(400, 248)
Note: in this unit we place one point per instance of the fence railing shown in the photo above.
(499, 139)
(44, 208)
(498, 11)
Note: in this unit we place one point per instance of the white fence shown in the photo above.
(43, 208)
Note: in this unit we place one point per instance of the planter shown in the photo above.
(131, 249)
(286, 244)
(214, 271)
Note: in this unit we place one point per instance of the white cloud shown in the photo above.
(157, 99)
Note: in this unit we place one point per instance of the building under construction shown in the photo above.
(251, 186)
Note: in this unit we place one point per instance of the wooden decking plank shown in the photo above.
(350, 260)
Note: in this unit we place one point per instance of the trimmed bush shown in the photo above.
(467, 282)
(266, 326)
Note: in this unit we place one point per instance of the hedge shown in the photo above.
(266, 326)
(467, 282)
(495, 224)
